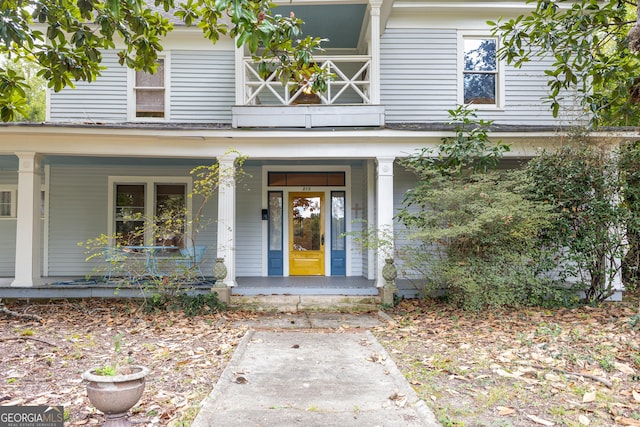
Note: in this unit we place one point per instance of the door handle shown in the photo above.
(322, 240)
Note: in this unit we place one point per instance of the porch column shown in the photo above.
(28, 245)
(374, 51)
(227, 216)
(384, 208)
(239, 71)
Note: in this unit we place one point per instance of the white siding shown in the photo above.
(202, 86)
(419, 81)
(418, 74)
(79, 211)
(249, 223)
(358, 197)
(8, 230)
(102, 100)
(403, 180)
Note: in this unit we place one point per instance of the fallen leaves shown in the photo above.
(528, 366)
(186, 356)
(589, 397)
(540, 421)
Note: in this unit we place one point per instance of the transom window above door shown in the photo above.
(298, 179)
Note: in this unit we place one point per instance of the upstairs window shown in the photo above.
(480, 71)
(149, 94)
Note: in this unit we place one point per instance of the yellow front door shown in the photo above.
(306, 234)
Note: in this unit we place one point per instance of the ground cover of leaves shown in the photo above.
(42, 363)
(525, 367)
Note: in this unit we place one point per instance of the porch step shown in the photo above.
(298, 303)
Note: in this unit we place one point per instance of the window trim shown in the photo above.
(500, 69)
(131, 93)
(149, 206)
(13, 206)
(13, 214)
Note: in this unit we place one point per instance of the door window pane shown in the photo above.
(275, 221)
(306, 223)
(337, 221)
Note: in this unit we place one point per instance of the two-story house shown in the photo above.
(129, 140)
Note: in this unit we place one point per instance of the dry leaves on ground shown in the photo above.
(42, 363)
(526, 367)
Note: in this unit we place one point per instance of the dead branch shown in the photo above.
(563, 371)
(27, 338)
(13, 314)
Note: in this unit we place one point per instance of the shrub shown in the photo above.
(581, 183)
(478, 240)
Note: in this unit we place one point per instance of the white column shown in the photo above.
(371, 216)
(374, 51)
(27, 271)
(240, 86)
(227, 216)
(384, 208)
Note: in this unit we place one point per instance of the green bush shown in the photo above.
(478, 240)
(581, 183)
(192, 305)
(629, 165)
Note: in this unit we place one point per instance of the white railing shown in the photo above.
(350, 83)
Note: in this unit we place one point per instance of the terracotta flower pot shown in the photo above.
(115, 395)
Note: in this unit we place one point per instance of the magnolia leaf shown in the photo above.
(627, 421)
(589, 397)
(584, 420)
(503, 410)
(623, 367)
(540, 421)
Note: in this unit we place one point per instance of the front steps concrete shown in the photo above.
(300, 303)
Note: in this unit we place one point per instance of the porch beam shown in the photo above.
(384, 221)
(28, 244)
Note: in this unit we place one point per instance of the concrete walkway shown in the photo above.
(290, 372)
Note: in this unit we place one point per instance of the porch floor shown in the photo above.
(81, 287)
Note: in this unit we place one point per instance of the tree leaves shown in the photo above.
(588, 40)
(76, 32)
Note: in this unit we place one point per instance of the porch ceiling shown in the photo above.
(340, 23)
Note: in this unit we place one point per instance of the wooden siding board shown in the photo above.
(419, 81)
(105, 99)
(202, 86)
(78, 211)
(249, 237)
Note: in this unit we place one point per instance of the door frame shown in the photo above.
(285, 219)
(290, 225)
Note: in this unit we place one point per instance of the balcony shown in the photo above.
(266, 102)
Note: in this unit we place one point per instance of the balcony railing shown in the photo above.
(350, 83)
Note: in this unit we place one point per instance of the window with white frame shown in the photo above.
(7, 203)
(150, 212)
(480, 71)
(149, 95)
